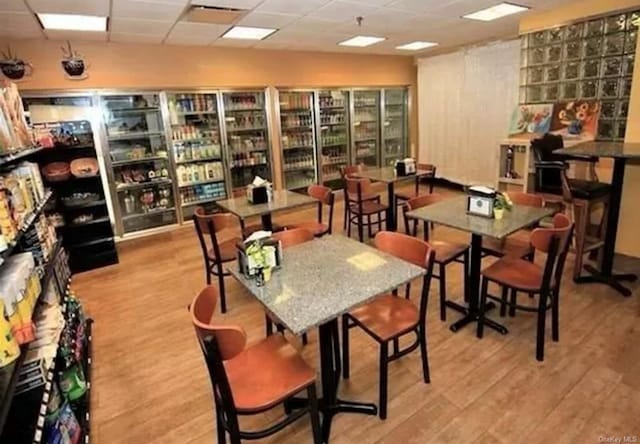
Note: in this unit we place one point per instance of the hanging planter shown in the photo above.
(13, 67)
(73, 64)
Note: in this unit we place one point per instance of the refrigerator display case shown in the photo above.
(394, 128)
(247, 133)
(334, 135)
(197, 152)
(140, 170)
(366, 127)
(298, 139)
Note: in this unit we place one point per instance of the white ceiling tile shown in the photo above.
(238, 4)
(87, 7)
(77, 35)
(13, 5)
(138, 26)
(19, 25)
(147, 9)
(373, 2)
(268, 20)
(422, 6)
(186, 33)
(459, 8)
(130, 37)
(342, 11)
(291, 6)
(308, 24)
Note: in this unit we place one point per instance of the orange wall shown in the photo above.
(628, 240)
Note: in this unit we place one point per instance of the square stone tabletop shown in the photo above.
(603, 149)
(388, 174)
(453, 213)
(322, 279)
(282, 200)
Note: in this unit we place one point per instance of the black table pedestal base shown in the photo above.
(470, 317)
(612, 280)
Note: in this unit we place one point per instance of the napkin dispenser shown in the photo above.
(480, 201)
(258, 194)
(247, 266)
(406, 167)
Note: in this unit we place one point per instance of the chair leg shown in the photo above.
(305, 339)
(443, 292)
(268, 325)
(465, 269)
(313, 413)
(222, 435)
(350, 222)
(581, 217)
(207, 272)
(514, 300)
(503, 301)
(360, 222)
(407, 291)
(345, 347)
(346, 211)
(379, 222)
(384, 362)
(555, 316)
(481, 307)
(542, 317)
(369, 226)
(223, 294)
(423, 353)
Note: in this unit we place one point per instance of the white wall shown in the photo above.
(465, 100)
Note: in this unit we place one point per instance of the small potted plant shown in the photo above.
(500, 204)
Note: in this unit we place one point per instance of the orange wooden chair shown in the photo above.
(218, 253)
(390, 317)
(250, 380)
(325, 197)
(517, 274)
(403, 196)
(361, 206)
(446, 252)
(349, 172)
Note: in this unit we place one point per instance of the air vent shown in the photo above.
(214, 14)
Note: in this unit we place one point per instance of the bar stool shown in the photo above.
(446, 252)
(517, 274)
(324, 196)
(360, 206)
(347, 172)
(250, 380)
(218, 253)
(389, 317)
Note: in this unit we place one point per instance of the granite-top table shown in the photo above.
(452, 213)
(281, 200)
(621, 153)
(318, 282)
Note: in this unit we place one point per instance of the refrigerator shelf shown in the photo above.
(297, 169)
(148, 213)
(116, 163)
(202, 159)
(196, 113)
(137, 135)
(200, 182)
(202, 201)
(194, 139)
(133, 186)
(133, 110)
(366, 139)
(244, 130)
(297, 128)
(239, 110)
(297, 147)
(294, 110)
(249, 166)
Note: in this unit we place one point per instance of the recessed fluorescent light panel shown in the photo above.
(73, 22)
(416, 46)
(496, 12)
(248, 33)
(362, 41)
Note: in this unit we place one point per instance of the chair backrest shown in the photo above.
(414, 204)
(325, 196)
(414, 251)
(547, 180)
(210, 224)
(292, 237)
(555, 243)
(350, 170)
(527, 199)
(357, 187)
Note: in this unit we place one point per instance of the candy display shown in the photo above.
(19, 291)
(15, 134)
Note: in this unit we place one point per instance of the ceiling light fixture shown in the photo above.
(416, 46)
(248, 33)
(496, 12)
(72, 22)
(362, 41)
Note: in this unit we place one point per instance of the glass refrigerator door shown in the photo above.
(245, 121)
(366, 127)
(141, 171)
(197, 149)
(394, 128)
(334, 134)
(297, 125)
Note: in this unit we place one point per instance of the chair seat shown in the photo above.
(368, 207)
(317, 228)
(515, 273)
(588, 189)
(447, 251)
(267, 373)
(506, 247)
(406, 195)
(387, 316)
(228, 250)
(365, 197)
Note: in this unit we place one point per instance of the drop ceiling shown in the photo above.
(316, 25)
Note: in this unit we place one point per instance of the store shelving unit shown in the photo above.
(395, 123)
(140, 172)
(334, 135)
(248, 144)
(197, 149)
(365, 127)
(297, 120)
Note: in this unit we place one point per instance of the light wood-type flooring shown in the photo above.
(150, 383)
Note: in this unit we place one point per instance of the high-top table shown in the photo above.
(281, 200)
(620, 153)
(388, 175)
(452, 213)
(319, 281)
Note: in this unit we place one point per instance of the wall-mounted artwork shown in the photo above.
(577, 119)
(13, 67)
(528, 119)
(74, 65)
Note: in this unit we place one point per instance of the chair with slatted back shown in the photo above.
(390, 317)
(349, 172)
(516, 274)
(249, 380)
(403, 196)
(218, 252)
(446, 252)
(361, 207)
(325, 198)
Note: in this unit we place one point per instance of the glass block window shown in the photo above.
(589, 60)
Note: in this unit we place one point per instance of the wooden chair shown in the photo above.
(445, 252)
(325, 196)
(517, 274)
(389, 317)
(348, 172)
(250, 380)
(403, 196)
(360, 206)
(289, 238)
(218, 253)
